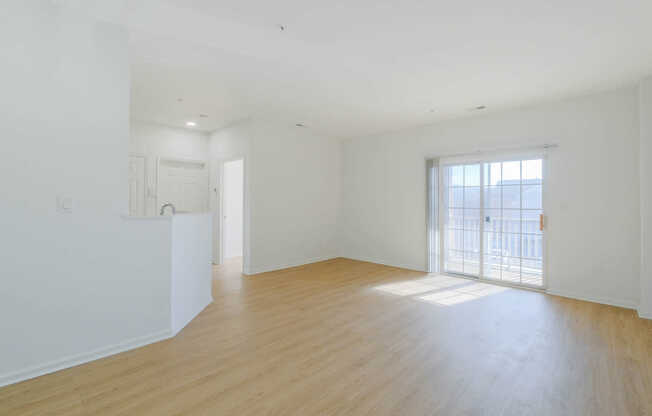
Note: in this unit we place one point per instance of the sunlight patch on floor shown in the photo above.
(415, 287)
(441, 290)
(462, 294)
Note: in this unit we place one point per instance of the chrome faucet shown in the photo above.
(174, 210)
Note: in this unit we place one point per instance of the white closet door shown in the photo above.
(184, 184)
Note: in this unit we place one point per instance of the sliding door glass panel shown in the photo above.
(511, 270)
(492, 267)
(511, 173)
(493, 197)
(533, 171)
(492, 244)
(463, 218)
(513, 240)
(511, 220)
(511, 196)
(454, 261)
(472, 263)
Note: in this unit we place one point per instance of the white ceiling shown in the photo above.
(360, 67)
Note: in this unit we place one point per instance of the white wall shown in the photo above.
(592, 190)
(233, 206)
(292, 190)
(645, 118)
(74, 285)
(154, 141)
(229, 144)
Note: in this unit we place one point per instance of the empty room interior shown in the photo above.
(241, 207)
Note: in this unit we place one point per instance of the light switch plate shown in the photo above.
(64, 204)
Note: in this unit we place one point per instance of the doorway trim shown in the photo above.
(145, 178)
(217, 201)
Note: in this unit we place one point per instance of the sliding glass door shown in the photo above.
(493, 220)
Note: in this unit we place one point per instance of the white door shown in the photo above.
(233, 201)
(183, 184)
(136, 185)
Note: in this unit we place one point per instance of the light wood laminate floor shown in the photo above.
(343, 337)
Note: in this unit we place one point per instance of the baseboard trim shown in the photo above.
(77, 359)
(265, 269)
(386, 263)
(644, 315)
(175, 331)
(628, 304)
(595, 299)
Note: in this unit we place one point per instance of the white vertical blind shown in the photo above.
(432, 172)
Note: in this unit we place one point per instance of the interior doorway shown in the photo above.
(229, 213)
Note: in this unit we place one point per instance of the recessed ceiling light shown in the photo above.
(432, 110)
(481, 107)
(190, 124)
(203, 115)
(180, 100)
(300, 125)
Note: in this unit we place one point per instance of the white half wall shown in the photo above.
(292, 191)
(592, 190)
(645, 154)
(192, 273)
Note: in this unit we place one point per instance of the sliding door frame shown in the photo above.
(438, 188)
